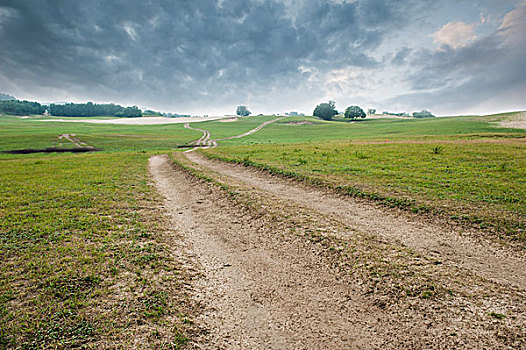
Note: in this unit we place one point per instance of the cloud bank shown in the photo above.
(207, 56)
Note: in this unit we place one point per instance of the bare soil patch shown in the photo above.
(518, 121)
(299, 123)
(73, 139)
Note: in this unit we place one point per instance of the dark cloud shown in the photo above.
(195, 55)
(176, 52)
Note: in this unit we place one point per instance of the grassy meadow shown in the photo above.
(17, 133)
(84, 251)
(310, 129)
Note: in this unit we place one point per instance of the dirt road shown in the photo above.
(212, 143)
(452, 245)
(264, 292)
(268, 282)
(203, 140)
(74, 140)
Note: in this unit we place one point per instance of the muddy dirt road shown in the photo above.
(266, 281)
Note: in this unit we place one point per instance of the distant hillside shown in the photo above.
(4, 97)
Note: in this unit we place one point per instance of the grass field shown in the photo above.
(219, 129)
(463, 167)
(379, 130)
(84, 256)
(309, 129)
(82, 243)
(19, 133)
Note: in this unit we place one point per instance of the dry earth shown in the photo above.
(452, 244)
(518, 121)
(284, 266)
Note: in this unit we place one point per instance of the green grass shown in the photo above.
(19, 133)
(477, 181)
(82, 250)
(284, 131)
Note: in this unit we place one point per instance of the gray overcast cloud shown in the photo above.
(208, 56)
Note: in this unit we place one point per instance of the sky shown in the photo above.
(208, 56)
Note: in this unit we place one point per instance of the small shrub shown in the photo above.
(438, 149)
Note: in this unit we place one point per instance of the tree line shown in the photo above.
(93, 110)
(16, 107)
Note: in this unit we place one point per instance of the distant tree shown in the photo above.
(423, 114)
(242, 111)
(325, 110)
(16, 107)
(130, 112)
(91, 109)
(371, 111)
(152, 113)
(354, 112)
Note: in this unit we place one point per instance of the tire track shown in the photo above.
(263, 286)
(449, 245)
(74, 140)
(261, 291)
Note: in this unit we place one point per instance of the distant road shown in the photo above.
(212, 143)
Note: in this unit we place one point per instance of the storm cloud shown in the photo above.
(207, 56)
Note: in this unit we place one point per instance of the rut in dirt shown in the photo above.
(261, 289)
(450, 245)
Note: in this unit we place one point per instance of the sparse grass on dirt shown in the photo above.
(482, 183)
(84, 255)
